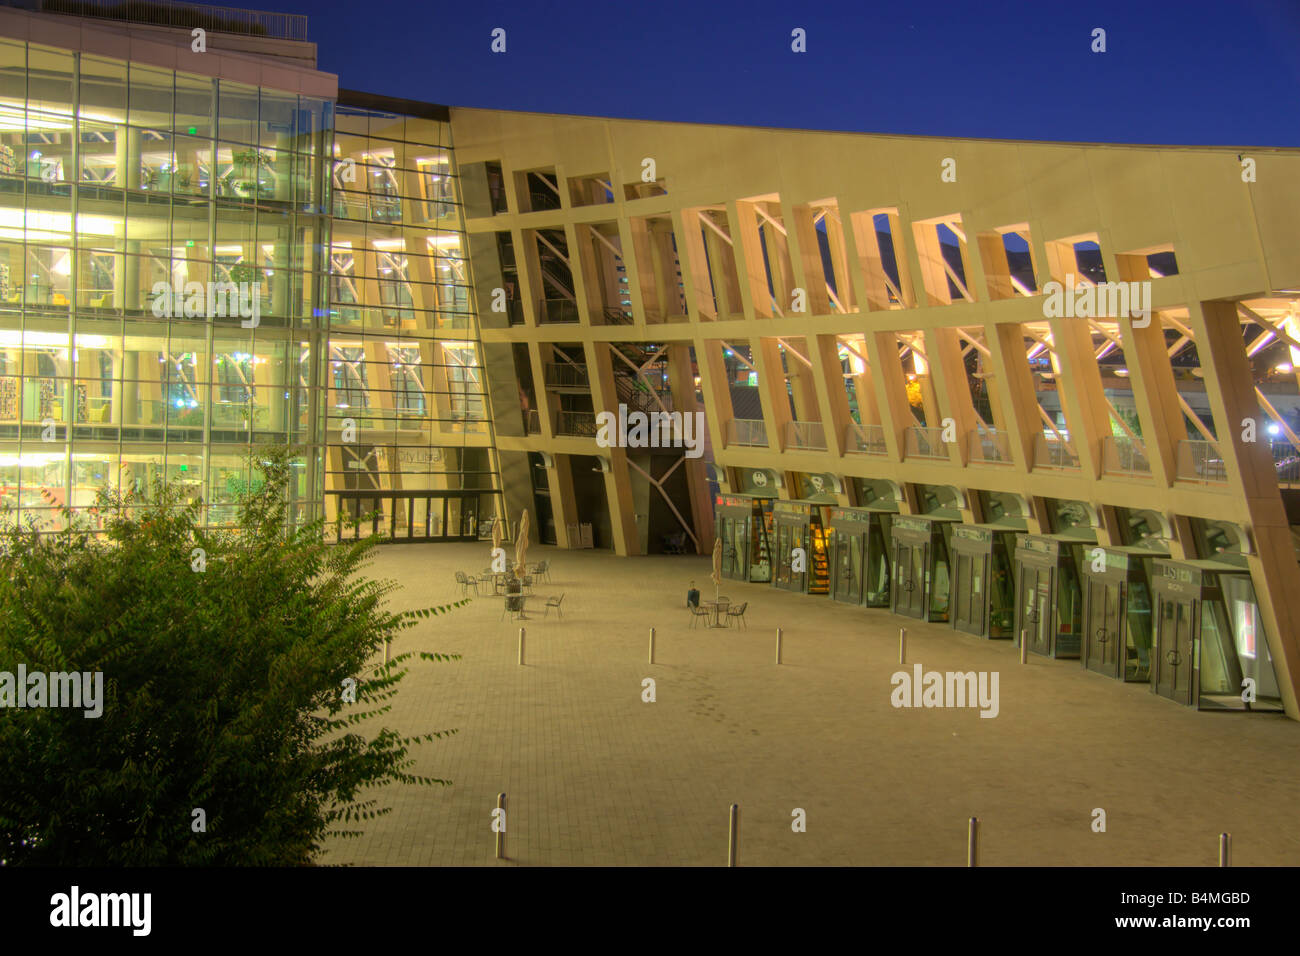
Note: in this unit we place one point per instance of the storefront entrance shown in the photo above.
(921, 585)
(802, 559)
(744, 525)
(1049, 600)
(1210, 651)
(859, 556)
(1117, 614)
(983, 600)
(411, 516)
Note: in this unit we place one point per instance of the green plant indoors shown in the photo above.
(240, 681)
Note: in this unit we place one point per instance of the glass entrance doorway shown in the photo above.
(1117, 613)
(982, 594)
(411, 516)
(802, 558)
(920, 584)
(744, 525)
(1210, 651)
(1049, 600)
(859, 559)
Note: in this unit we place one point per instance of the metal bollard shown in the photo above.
(521, 645)
(501, 834)
(973, 843)
(1225, 849)
(902, 645)
(1024, 647)
(778, 645)
(652, 645)
(733, 834)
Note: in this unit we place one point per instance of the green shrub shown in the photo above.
(223, 688)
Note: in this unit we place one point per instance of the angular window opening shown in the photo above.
(609, 296)
(594, 190)
(941, 247)
(746, 425)
(643, 190)
(483, 185)
(555, 298)
(1154, 262)
(1077, 256)
(824, 257)
(767, 261)
(538, 189)
(1008, 257)
(804, 430)
(713, 262)
(659, 271)
(883, 260)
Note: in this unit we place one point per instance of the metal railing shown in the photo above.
(533, 422)
(1286, 459)
(1121, 455)
(170, 13)
(560, 375)
(988, 446)
(557, 311)
(1199, 461)
(865, 439)
(920, 442)
(805, 435)
(746, 431)
(576, 424)
(1051, 452)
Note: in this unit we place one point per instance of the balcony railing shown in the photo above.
(169, 13)
(1286, 459)
(1052, 452)
(557, 311)
(533, 422)
(919, 442)
(1121, 455)
(577, 424)
(1199, 461)
(865, 439)
(988, 446)
(746, 431)
(561, 375)
(808, 435)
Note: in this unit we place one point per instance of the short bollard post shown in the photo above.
(733, 834)
(500, 826)
(973, 843)
(652, 645)
(1225, 849)
(1024, 647)
(521, 645)
(902, 645)
(778, 645)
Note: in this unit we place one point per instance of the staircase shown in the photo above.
(819, 577)
(760, 569)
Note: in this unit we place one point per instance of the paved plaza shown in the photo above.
(596, 776)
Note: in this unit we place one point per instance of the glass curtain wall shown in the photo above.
(116, 177)
(408, 427)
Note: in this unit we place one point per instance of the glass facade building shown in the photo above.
(121, 180)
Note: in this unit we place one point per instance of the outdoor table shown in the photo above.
(521, 609)
(716, 607)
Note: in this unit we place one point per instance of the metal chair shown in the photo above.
(698, 612)
(738, 614)
(553, 602)
(466, 583)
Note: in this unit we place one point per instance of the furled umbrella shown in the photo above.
(496, 540)
(717, 568)
(521, 545)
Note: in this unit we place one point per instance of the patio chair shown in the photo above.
(698, 612)
(737, 614)
(466, 583)
(542, 569)
(553, 602)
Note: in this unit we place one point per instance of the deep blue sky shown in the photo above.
(1189, 72)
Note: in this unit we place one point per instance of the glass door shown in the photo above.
(909, 579)
(966, 582)
(1174, 645)
(847, 551)
(877, 582)
(1036, 623)
(1104, 633)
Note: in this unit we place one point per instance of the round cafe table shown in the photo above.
(715, 607)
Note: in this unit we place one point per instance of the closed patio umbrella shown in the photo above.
(521, 546)
(717, 568)
(496, 540)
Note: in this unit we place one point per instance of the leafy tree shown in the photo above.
(225, 689)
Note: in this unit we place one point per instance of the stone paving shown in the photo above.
(596, 776)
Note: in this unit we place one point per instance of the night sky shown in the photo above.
(1189, 72)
